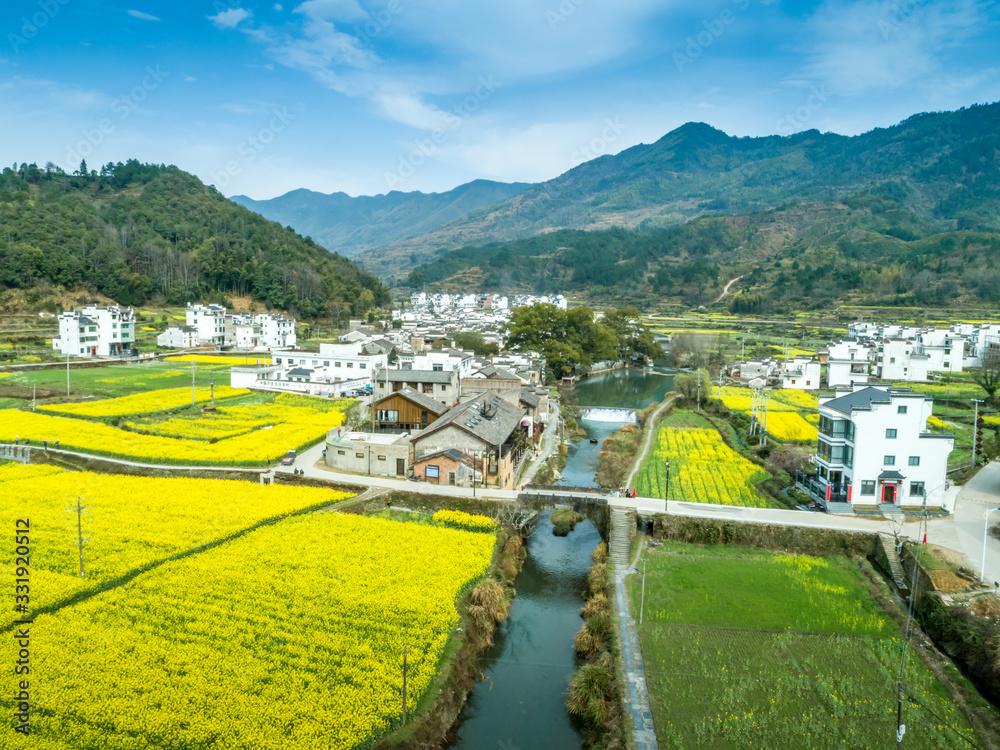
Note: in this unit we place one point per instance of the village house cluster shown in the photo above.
(96, 331)
(213, 324)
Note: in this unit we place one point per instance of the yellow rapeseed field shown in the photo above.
(299, 428)
(147, 402)
(208, 359)
(132, 521)
(458, 520)
(787, 411)
(291, 636)
(703, 469)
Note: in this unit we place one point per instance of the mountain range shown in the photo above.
(350, 225)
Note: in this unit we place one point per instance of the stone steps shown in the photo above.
(895, 566)
(622, 529)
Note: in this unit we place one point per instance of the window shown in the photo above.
(428, 388)
(916, 489)
(359, 455)
(889, 461)
(444, 388)
(437, 368)
(892, 360)
(868, 488)
(901, 410)
(341, 453)
(381, 458)
(363, 366)
(336, 364)
(890, 434)
(914, 460)
(350, 364)
(326, 364)
(387, 415)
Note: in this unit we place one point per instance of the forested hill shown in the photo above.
(350, 225)
(943, 166)
(140, 232)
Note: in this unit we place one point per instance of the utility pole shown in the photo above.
(80, 509)
(642, 598)
(975, 422)
(721, 373)
(211, 385)
(67, 373)
(699, 389)
(192, 380)
(404, 684)
(34, 392)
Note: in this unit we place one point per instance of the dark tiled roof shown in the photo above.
(300, 371)
(414, 376)
(455, 455)
(498, 373)
(890, 475)
(529, 398)
(862, 399)
(489, 418)
(424, 402)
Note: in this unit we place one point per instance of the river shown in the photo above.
(521, 703)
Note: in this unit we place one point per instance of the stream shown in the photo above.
(521, 703)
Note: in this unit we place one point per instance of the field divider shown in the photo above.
(130, 576)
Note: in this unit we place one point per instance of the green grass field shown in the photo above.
(751, 649)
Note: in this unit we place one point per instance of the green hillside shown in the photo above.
(864, 249)
(141, 232)
(349, 225)
(941, 168)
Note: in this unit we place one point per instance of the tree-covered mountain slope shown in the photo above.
(943, 167)
(350, 225)
(139, 232)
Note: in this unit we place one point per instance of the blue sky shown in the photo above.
(364, 97)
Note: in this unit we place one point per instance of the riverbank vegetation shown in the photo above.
(749, 648)
(595, 690)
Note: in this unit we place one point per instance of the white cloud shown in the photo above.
(141, 16)
(279, 7)
(230, 19)
(867, 45)
(337, 10)
(190, 79)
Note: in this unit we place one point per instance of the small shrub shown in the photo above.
(597, 578)
(600, 553)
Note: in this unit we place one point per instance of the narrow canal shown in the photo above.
(521, 703)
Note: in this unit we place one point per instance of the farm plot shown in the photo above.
(131, 522)
(703, 469)
(788, 411)
(751, 649)
(259, 642)
(290, 422)
(148, 402)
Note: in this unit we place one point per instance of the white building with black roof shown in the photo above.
(875, 452)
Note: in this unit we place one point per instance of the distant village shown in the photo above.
(434, 412)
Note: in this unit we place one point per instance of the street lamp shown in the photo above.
(986, 527)
(666, 487)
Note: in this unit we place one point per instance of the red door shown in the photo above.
(889, 493)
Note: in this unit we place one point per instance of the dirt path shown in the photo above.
(649, 440)
(725, 291)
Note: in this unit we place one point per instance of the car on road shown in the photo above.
(288, 459)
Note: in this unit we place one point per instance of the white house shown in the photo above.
(902, 359)
(945, 349)
(276, 331)
(847, 362)
(180, 337)
(801, 373)
(210, 320)
(874, 451)
(96, 331)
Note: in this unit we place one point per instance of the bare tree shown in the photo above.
(988, 376)
(517, 516)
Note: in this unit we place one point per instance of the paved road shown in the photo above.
(725, 290)
(964, 532)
